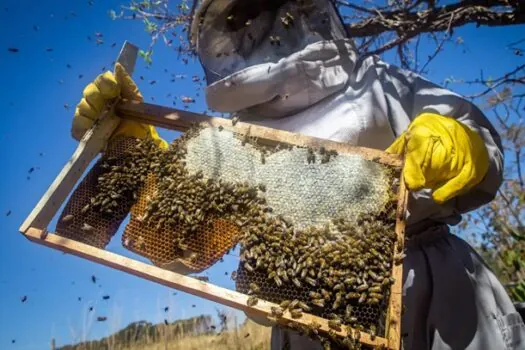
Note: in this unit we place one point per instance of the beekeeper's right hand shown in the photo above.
(94, 98)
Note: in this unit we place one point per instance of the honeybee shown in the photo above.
(296, 313)
(335, 324)
(318, 302)
(248, 267)
(254, 288)
(285, 304)
(303, 306)
(277, 312)
(372, 332)
(67, 218)
(87, 227)
(252, 301)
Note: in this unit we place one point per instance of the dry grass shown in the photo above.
(248, 337)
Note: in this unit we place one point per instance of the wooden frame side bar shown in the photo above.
(175, 119)
(396, 303)
(93, 141)
(180, 282)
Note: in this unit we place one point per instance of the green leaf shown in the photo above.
(517, 293)
(146, 55)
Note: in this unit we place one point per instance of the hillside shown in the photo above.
(194, 333)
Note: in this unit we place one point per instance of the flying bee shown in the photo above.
(352, 319)
(252, 301)
(275, 40)
(233, 275)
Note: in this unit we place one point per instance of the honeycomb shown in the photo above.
(104, 226)
(367, 315)
(159, 244)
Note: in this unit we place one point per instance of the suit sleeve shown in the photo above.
(409, 95)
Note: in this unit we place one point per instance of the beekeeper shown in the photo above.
(289, 65)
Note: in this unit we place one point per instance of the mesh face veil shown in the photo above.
(231, 35)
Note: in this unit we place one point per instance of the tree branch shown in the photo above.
(437, 19)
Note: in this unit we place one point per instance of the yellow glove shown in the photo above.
(442, 154)
(95, 96)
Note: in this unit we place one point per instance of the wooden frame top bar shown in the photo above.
(176, 119)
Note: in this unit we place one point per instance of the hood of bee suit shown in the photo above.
(273, 57)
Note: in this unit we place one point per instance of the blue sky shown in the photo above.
(36, 134)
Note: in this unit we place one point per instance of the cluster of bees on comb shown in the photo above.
(343, 265)
(122, 177)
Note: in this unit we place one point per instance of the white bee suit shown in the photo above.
(322, 89)
(453, 300)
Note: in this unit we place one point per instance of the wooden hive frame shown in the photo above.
(94, 141)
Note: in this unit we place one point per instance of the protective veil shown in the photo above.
(287, 65)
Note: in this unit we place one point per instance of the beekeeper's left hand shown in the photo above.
(442, 154)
